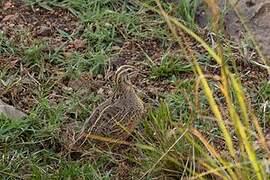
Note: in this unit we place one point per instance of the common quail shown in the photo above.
(118, 116)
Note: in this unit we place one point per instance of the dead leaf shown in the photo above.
(10, 111)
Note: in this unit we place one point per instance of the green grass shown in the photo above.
(181, 137)
(169, 66)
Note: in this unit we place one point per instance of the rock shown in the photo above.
(44, 31)
(100, 76)
(255, 14)
(10, 111)
(11, 25)
(68, 89)
(116, 48)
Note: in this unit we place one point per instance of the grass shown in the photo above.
(204, 128)
(169, 66)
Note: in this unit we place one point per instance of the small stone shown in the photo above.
(11, 25)
(108, 25)
(116, 48)
(44, 31)
(68, 89)
(10, 111)
(100, 76)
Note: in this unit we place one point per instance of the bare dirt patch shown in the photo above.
(37, 21)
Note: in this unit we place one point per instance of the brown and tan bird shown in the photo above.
(119, 115)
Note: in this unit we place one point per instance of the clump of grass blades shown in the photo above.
(241, 160)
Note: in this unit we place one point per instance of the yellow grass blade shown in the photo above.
(211, 170)
(216, 170)
(261, 137)
(198, 147)
(226, 90)
(216, 111)
(212, 150)
(117, 141)
(243, 136)
(241, 100)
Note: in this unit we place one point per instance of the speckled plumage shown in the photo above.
(119, 115)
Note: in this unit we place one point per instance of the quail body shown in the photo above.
(119, 115)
